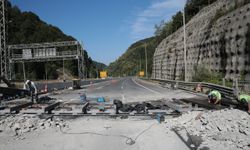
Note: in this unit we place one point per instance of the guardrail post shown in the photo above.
(176, 85)
(223, 82)
(236, 88)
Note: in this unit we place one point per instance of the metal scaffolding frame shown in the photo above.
(17, 54)
(4, 54)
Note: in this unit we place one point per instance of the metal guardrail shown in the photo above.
(244, 82)
(229, 93)
(67, 84)
(8, 91)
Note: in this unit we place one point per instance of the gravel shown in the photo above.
(224, 129)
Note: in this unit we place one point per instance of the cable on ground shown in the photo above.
(129, 140)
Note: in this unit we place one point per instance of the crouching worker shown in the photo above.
(30, 86)
(244, 102)
(214, 97)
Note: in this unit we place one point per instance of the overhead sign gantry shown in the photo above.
(44, 52)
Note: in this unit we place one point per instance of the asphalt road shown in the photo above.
(63, 85)
(130, 89)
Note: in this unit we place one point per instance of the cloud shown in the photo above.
(143, 25)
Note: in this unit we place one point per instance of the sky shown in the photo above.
(106, 27)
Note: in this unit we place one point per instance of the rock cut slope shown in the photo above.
(218, 37)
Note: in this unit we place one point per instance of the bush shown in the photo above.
(202, 74)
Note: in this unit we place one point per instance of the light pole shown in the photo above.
(146, 60)
(185, 48)
(140, 61)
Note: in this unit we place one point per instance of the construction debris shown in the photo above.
(45, 99)
(18, 125)
(138, 107)
(223, 129)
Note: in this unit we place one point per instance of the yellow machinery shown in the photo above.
(141, 74)
(103, 74)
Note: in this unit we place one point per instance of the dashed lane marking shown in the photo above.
(122, 87)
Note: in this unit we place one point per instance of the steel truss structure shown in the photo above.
(72, 50)
(4, 54)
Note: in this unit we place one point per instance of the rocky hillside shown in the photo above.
(133, 59)
(218, 39)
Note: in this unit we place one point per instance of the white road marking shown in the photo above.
(70, 101)
(106, 83)
(122, 87)
(146, 87)
(88, 85)
(98, 88)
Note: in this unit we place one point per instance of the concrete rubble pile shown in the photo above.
(223, 129)
(20, 124)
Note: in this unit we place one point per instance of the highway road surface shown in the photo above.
(130, 89)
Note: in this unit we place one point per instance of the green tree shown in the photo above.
(27, 27)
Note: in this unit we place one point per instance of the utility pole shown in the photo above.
(140, 61)
(83, 61)
(46, 73)
(146, 60)
(185, 48)
(97, 74)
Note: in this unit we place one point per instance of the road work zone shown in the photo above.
(78, 125)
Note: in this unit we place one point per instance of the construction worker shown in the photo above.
(214, 97)
(198, 88)
(30, 86)
(244, 101)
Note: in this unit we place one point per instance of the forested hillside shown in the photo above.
(27, 27)
(129, 62)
